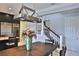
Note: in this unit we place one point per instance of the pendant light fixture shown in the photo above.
(25, 16)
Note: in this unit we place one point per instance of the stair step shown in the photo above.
(50, 40)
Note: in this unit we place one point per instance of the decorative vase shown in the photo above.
(28, 45)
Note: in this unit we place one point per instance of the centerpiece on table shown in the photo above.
(28, 35)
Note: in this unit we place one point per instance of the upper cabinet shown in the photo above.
(5, 17)
(8, 25)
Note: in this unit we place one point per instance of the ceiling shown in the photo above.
(15, 7)
(73, 12)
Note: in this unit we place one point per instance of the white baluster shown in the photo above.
(61, 43)
(42, 28)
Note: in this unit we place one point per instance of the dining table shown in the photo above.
(38, 49)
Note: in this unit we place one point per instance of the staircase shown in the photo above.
(47, 31)
(60, 46)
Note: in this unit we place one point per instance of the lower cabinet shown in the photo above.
(6, 44)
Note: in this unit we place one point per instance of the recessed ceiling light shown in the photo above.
(10, 8)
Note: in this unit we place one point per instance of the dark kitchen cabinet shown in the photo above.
(6, 44)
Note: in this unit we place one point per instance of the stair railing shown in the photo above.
(59, 36)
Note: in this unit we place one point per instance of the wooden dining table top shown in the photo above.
(38, 49)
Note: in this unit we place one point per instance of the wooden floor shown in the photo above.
(38, 49)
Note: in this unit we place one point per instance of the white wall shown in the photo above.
(72, 34)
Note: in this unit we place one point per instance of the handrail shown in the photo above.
(51, 30)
